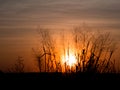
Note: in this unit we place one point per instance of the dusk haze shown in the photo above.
(63, 36)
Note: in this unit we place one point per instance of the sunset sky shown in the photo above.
(19, 20)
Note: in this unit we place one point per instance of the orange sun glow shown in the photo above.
(69, 59)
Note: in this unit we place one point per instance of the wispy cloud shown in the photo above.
(52, 10)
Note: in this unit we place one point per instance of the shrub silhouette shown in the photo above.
(93, 52)
(46, 56)
(18, 67)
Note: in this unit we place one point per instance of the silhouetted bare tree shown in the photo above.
(96, 51)
(93, 52)
(18, 67)
(47, 52)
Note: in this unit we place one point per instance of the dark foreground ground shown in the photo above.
(60, 79)
(59, 76)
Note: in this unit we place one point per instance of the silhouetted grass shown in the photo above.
(93, 52)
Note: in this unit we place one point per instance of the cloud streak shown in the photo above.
(45, 11)
(26, 14)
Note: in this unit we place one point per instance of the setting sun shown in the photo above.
(69, 58)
